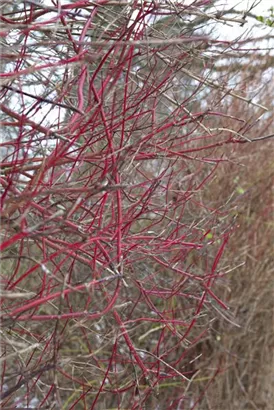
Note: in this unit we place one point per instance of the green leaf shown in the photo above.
(269, 22)
(260, 18)
(240, 190)
(209, 235)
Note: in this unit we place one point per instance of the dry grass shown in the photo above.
(241, 343)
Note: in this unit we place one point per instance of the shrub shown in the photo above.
(115, 127)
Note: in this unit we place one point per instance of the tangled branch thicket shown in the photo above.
(132, 227)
